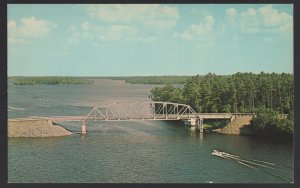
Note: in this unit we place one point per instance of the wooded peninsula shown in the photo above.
(265, 94)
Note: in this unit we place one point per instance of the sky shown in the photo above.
(148, 39)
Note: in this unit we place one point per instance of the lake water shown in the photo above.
(128, 152)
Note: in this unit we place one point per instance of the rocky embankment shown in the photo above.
(35, 128)
(237, 126)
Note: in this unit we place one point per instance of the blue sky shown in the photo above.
(162, 39)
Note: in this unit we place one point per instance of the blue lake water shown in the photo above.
(129, 152)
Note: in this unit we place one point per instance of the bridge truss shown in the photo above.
(153, 110)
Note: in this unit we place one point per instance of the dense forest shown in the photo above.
(50, 80)
(240, 92)
(268, 123)
(265, 94)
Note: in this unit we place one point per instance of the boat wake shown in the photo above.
(278, 171)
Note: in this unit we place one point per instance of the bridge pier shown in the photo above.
(199, 126)
(83, 128)
(232, 118)
(195, 124)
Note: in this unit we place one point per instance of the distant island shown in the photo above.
(50, 80)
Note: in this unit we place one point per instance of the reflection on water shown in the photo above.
(126, 152)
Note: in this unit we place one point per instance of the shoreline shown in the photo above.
(238, 126)
(42, 127)
(35, 128)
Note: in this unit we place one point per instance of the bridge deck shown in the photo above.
(157, 117)
(151, 110)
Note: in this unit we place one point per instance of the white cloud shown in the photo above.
(268, 39)
(11, 30)
(159, 18)
(115, 32)
(101, 33)
(249, 22)
(271, 17)
(169, 12)
(231, 12)
(11, 25)
(110, 13)
(28, 28)
(160, 26)
(249, 13)
(36, 28)
(285, 29)
(11, 33)
(278, 22)
(266, 20)
(230, 20)
(74, 36)
(200, 32)
(145, 23)
(12, 40)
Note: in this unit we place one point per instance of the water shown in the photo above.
(127, 152)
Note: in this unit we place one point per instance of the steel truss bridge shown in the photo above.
(152, 110)
(126, 111)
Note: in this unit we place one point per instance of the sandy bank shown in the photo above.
(34, 128)
(238, 126)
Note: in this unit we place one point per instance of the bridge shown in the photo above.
(152, 110)
(230, 116)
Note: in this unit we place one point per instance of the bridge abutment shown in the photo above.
(232, 118)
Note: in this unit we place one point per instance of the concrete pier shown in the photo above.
(199, 125)
(83, 128)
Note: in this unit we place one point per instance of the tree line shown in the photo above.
(155, 80)
(237, 93)
(267, 94)
(50, 80)
(268, 123)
